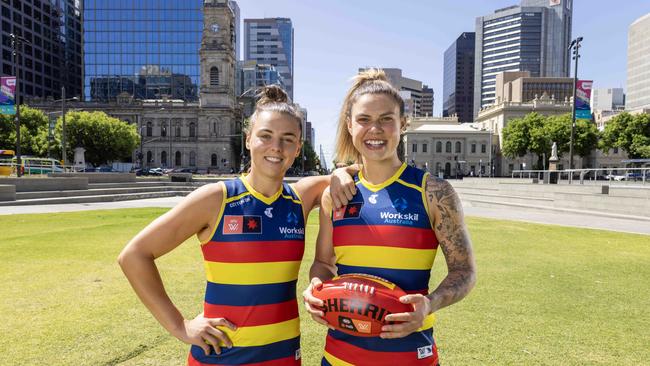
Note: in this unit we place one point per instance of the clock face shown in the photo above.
(215, 27)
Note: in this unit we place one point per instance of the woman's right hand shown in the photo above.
(202, 332)
(314, 304)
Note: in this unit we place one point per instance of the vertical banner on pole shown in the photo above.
(583, 94)
(8, 95)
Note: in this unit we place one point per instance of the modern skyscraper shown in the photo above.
(252, 75)
(531, 37)
(458, 78)
(147, 49)
(51, 57)
(427, 101)
(270, 41)
(638, 64)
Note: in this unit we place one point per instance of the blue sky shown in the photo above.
(334, 38)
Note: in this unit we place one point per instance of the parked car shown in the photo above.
(149, 172)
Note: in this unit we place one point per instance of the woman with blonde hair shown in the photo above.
(252, 234)
(391, 228)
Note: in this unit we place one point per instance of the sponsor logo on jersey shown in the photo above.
(400, 204)
(352, 210)
(240, 202)
(292, 232)
(292, 218)
(373, 198)
(425, 351)
(268, 212)
(239, 224)
(297, 355)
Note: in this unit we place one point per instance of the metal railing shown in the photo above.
(619, 174)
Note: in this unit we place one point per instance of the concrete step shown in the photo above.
(99, 192)
(500, 196)
(96, 198)
(136, 184)
(491, 203)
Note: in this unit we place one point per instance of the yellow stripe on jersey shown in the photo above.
(268, 200)
(429, 321)
(261, 335)
(425, 200)
(334, 361)
(221, 209)
(385, 257)
(237, 198)
(389, 181)
(251, 273)
(291, 199)
(419, 189)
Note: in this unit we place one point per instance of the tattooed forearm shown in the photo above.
(454, 241)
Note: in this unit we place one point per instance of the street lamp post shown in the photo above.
(63, 156)
(575, 45)
(63, 133)
(17, 40)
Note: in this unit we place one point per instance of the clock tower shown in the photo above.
(217, 55)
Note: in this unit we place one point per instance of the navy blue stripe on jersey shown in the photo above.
(408, 280)
(246, 355)
(376, 344)
(249, 295)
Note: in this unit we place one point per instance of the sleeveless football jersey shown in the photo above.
(251, 263)
(385, 231)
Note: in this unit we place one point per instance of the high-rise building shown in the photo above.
(638, 64)
(145, 49)
(458, 78)
(252, 75)
(427, 101)
(270, 41)
(607, 99)
(531, 37)
(418, 98)
(51, 56)
(520, 87)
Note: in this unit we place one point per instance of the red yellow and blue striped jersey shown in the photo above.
(386, 231)
(251, 263)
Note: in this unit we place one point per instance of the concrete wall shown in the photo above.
(46, 184)
(99, 177)
(7, 192)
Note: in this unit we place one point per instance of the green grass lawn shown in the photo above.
(546, 295)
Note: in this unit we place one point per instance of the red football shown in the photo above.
(357, 304)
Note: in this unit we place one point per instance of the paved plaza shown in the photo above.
(564, 219)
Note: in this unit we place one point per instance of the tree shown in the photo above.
(105, 138)
(516, 136)
(630, 133)
(33, 125)
(311, 159)
(536, 133)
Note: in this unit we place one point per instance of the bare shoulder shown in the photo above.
(441, 193)
(204, 200)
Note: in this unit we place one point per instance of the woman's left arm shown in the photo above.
(449, 225)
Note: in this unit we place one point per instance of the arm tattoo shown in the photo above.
(455, 242)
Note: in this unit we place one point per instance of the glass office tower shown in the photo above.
(51, 56)
(148, 49)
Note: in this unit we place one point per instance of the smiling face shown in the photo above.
(375, 126)
(274, 143)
